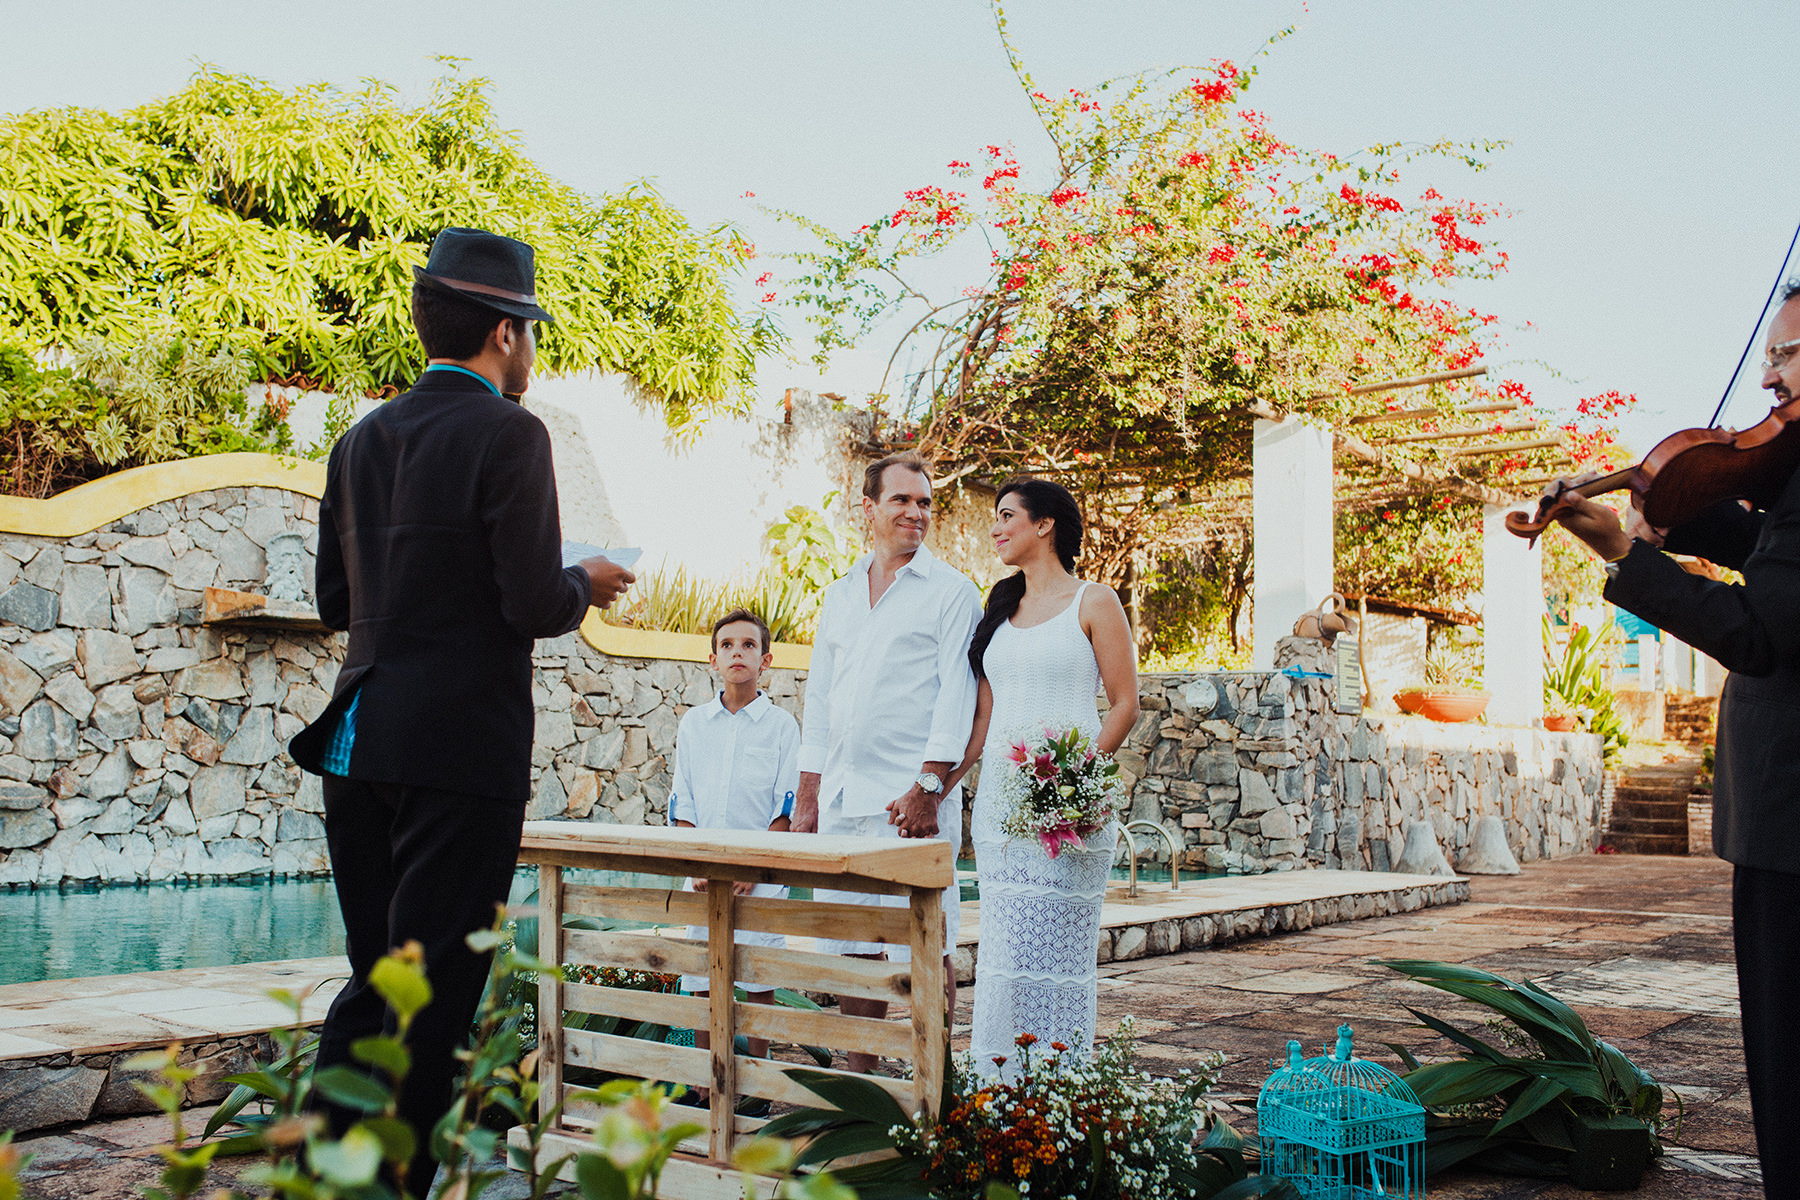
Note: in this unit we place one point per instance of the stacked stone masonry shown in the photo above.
(137, 744)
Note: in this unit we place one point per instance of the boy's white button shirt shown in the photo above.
(889, 687)
(735, 770)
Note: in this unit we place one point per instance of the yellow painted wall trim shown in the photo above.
(621, 642)
(86, 508)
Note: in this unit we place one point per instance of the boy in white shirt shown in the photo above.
(737, 765)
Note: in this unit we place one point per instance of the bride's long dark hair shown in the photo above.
(1040, 499)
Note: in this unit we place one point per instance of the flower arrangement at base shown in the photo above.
(1059, 789)
(1068, 1127)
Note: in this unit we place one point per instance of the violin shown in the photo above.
(1689, 472)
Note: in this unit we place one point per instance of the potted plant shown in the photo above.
(1568, 1105)
(1575, 684)
(1448, 693)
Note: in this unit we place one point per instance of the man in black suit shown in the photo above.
(1753, 629)
(440, 551)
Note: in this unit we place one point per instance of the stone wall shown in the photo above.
(1255, 771)
(139, 744)
(606, 726)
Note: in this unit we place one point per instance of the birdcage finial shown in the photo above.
(1342, 1054)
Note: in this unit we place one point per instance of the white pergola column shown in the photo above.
(1512, 587)
(1291, 488)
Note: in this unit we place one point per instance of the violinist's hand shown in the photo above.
(1637, 527)
(1595, 525)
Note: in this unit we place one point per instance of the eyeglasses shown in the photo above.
(1780, 354)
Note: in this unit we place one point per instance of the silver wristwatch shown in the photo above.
(928, 783)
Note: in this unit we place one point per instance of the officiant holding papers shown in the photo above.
(440, 553)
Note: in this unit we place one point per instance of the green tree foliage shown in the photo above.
(125, 403)
(284, 225)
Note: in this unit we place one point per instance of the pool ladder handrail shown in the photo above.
(1131, 889)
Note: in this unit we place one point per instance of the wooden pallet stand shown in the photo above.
(917, 870)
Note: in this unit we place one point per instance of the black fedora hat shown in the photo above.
(493, 271)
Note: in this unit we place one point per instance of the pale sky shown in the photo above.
(1651, 173)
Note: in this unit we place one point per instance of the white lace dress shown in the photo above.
(1040, 916)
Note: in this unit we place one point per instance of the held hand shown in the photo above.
(699, 884)
(607, 580)
(742, 887)
(805, 817)
(915, 813)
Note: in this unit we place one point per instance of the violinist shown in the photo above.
(1753, 629)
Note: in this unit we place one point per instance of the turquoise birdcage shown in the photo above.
(1339, 1128)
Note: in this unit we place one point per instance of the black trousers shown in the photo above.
(415, 864)
(1764, 908)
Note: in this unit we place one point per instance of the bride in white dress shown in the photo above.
(1046, 644)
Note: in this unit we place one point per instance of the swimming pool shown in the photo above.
(65, 933)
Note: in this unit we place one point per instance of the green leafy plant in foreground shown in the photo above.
(1515, 1112)
(634, 1136)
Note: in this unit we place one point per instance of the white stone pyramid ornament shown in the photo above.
(1488, 852)
(1421, 855)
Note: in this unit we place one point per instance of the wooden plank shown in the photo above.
(929, 1014)
(658, 1008)
(721, 956)
(642, 951)
(924, 862)
(604, 860)
(634, 1056)
(550, 983)
(872, 979)
(686, 1064)
(582, 1113)
(761, 1077)
(769, 914)
(656, 906)
(834, 1030)
(684, 1178)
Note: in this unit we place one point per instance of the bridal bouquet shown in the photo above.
(1061, 790)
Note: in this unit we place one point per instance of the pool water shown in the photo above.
(65, 933)
(53, 933)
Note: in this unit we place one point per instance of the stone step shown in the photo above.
(1661, 826)
(1650, 806)
(1645, 843)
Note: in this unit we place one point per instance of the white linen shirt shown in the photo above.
(889, 687)
(735, 770)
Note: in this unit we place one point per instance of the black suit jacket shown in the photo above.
(1753, 629)
(440, 551)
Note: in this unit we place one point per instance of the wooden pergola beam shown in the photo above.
(1451, 434)
(1355, 447)
(1505, 447)
(1422, 414)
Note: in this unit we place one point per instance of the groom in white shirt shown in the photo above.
(890, 700)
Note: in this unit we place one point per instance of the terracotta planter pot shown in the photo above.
(1559, 722)
(1442, 704)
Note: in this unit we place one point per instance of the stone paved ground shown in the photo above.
(1641, 946)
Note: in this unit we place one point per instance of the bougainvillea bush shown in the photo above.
(1172, 263)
